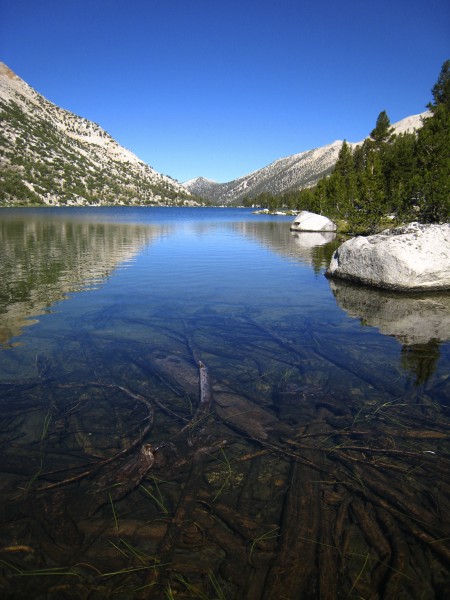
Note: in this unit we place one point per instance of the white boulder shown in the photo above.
(308, 221)
(410, 258)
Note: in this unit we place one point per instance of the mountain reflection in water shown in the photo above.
(45, 258)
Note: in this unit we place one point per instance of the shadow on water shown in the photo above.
(237, 451)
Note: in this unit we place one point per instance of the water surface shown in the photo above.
(190, 407)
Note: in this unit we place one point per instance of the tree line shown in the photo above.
(388, 177)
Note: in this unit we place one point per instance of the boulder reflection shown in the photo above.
(310, 248)
(419, 322)
(318, 244)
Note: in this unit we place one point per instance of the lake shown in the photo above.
(191, 409)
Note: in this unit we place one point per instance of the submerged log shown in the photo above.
(182, 518)
(294, 572)
(122, 476)
(205, 385)
(247, 417)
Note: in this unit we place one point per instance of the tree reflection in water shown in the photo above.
(421, 359)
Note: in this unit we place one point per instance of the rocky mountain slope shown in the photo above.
(293, 172)
(51, 156)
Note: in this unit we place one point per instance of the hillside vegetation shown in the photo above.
(388, 178)
(296, 172)
(51, 156)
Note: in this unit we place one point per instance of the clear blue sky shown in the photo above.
(222, 88)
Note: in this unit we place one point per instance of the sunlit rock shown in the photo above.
(414, 257)
(308, 221)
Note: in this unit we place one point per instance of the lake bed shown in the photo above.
(191, 409)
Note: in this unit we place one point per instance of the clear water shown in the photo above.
(104, 315)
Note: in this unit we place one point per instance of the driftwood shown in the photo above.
(343, 499)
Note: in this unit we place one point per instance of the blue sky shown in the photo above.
(222, 88)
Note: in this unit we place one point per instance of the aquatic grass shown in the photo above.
(356, 477)
(195, 592)
(82, 564)
(10, 566)
(50, 571)
(367, 557)
(409, 472)
(229, 474)
(319, 543)
(133, 551)
(370, 558)
(168, 593)
(128, 570)
(156, 565)
(268, 535)
(47, 421)
(288, 372)
(219, 592)
(35, 476)
(356, 418)
(446, 539)
(119, 549)
(116, 520)
(157, 497)
(371, 412)
(355, 583)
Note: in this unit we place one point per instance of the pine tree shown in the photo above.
(433, 152)
(383, 130)
(344, 181)
(441, 89)
(400, 172)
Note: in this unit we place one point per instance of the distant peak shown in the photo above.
(199, 180)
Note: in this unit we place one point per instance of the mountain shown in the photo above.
(293, 172)
(51, 156)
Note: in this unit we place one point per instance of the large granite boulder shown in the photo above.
(308, 221)
(414, 257)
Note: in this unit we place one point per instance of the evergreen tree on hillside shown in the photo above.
(400, 174)
(344, 165)
(441, 89)
(433, 153)
(407, 175)
(343, 181)
(383, 130)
